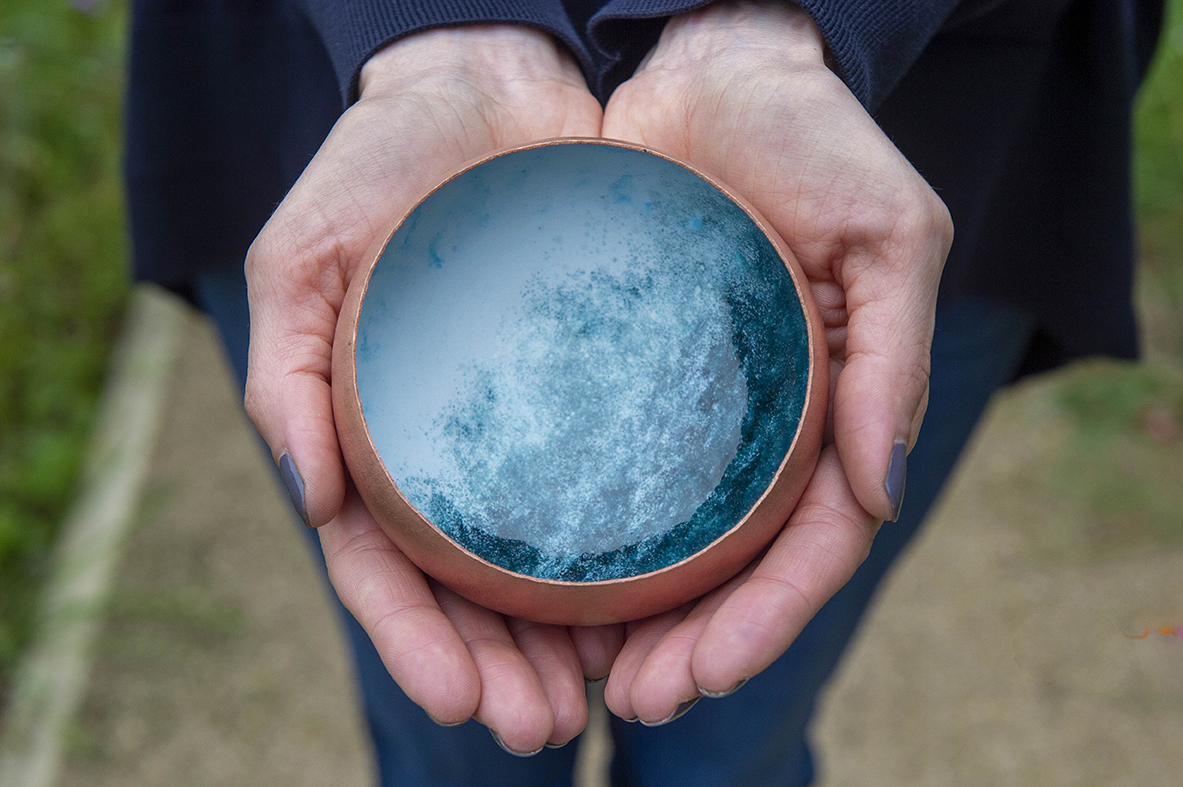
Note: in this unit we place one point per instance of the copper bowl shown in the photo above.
(580, 382)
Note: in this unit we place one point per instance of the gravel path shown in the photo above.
(986, 661)
(219, 663)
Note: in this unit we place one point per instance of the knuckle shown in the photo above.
(258, 250)
(916, 374)
(933, 222)
(290, 254)
(254, 402)
(912, 220)
(908, 238)
(943, 219)
(923, 218)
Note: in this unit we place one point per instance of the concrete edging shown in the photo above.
(51, 679)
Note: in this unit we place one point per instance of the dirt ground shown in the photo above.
(989, 659)
(219, 663)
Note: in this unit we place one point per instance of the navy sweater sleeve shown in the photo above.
(353, 31)
(873, 41)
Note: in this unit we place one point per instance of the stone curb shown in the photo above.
(51, 680)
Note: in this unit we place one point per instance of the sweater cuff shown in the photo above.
(873, 41)
(353, 31)
(623, 31)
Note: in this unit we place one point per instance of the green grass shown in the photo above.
(1106, 399)
(1122, 458)
(1158, 181)
(63, 273)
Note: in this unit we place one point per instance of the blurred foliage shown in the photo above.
(1158, 182)
(1158, 161)
(1109, 398)
(63, 272)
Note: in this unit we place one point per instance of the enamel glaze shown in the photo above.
(581, 364)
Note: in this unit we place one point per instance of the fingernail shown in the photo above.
(557, 745)
(592, 681)
(678, 713)
(718, 695)
(294, 484)
(508, 750)
(897, 474)
(445, 723)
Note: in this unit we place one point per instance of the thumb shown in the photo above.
(881, 392)
(288, 387)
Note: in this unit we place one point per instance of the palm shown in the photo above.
(742, 93)
(429, 104)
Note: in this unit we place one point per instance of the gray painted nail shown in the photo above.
(508, 750)
(718, 695)
(294, 484)
(678, 713)
(445, 723)
(897, 474)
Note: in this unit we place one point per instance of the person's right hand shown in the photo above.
(742, 91)
(428, 104)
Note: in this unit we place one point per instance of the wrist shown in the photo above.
(726, 32)
(488, 59)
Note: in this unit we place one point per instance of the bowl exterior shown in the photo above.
(576, 603)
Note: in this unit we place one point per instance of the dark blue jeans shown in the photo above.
(755, 737)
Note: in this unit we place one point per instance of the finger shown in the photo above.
(391, 600)
(514, 704)
(297, 271)
(882, 392)
(639, 639)
(875, 277)
(289, 396)
(826, 539)
(597, 647)
(664, 688)
(552, 655)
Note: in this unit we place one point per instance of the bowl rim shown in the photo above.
(347, 398)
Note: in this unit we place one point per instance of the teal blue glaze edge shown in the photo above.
(774, 352)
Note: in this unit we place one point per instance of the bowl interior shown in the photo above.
(581, 362)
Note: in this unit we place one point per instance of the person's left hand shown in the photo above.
(742, 91)
(429, 103)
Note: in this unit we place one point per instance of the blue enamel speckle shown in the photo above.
(600, 381)
(433, 255)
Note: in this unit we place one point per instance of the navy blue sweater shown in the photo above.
(1016, 111)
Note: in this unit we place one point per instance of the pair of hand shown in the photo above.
(743, 93)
